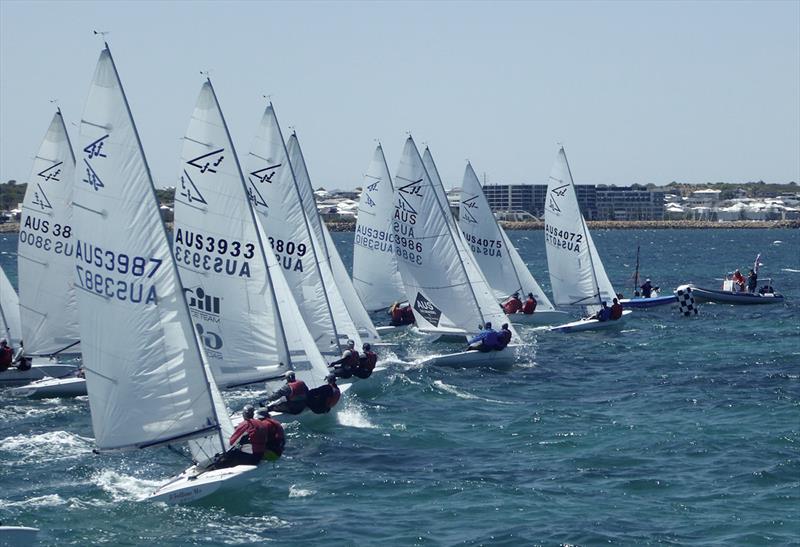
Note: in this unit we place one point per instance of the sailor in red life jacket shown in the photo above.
(323, 398)
(291, 398)
(344, 367)
(366, 362)
(616, 310)
(512, 305)
(6, 355)
(253, 439)
(275, 438)
(530, 305)
(401, 315)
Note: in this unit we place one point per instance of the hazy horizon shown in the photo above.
(649, 92)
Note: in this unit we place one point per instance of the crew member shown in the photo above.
(738, 281)
(401, 315)
(291, 397)
(344, 367)
(604, 314)
(530, 305)
(647, 288)
(6, 355)
(323, 398)
(366, 362)
(485, 340)
(512, 305)
(504, 337)
(253, 440)
(616, 310)
(752, 281)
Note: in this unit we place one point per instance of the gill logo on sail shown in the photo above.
(94, 150)
(207, 162)
(49, 174)
(469, 204)
(40, 199)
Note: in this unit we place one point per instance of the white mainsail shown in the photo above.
(342, 283)
(147, 377)
(48, 305)
(375, 274)
(498, 259)
(228, 275)
(445, 288)
(9, 311)
(275, 196)
(576, 272)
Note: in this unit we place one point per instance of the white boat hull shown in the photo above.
(15, 377)
(728, 297)
(48, 388)
(592, 324)
(538, 317)
(186, 487)
(469, 359)
(17, 536)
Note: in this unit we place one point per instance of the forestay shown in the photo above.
(496, 256)
(48, 305)
(357, 314)
(147, 377)
(375, 274)
(443, 285)
(576, 272)
(275, 196)
(9, 311)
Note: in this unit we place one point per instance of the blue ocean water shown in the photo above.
(675, 430)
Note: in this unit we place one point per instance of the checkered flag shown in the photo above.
(686, 300)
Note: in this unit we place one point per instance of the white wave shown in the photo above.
(453, 390)
(777, 242)
(296, 492)
(47, 446)
(51, 500)
(245, 530)
(353, 416)
(125, 487)
(791, 270)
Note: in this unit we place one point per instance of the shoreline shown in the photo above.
(339, 226)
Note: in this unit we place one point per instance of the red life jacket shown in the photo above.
(334, 397)
(256, 435)
(616, 311)
(512, 306)
(529, 306)
(407, 315)
(6, 356)
(397, 314)
(351, 358)
(273, 434)
(299, 391)
(368, 361)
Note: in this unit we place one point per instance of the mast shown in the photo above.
(449, 222)
(255, 225)
(182, 297)
(636, 273)
(585, 230)
(308, 228)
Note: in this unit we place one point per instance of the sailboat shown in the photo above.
(45, 315)
(446, 289)
(353, 305)
(247, 318)
(576, 272)
(375, 274)
(148, 378)
(276, 197)
(499, 261)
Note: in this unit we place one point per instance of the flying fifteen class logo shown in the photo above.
(51, 173)
(468, 204)
(555, 195)
(40, 199)
(189, 190)
(410, 189)
(208, 162)
(94, 150)
(265, 174)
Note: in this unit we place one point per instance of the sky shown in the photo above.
(637, 92)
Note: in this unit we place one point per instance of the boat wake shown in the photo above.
(453, 390)
(352, 415)
(48, 446)
(297, 492)
(125, 487)
(790, 270)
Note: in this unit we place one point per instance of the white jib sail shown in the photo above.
(220, 257)
(496, 256)
(9, 311)
(147, 377)
(275, 197)
(353, 306)
(48, 305)
(375, 274)
(576, 273)
(445, 288)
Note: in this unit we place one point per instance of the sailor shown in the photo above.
(22, 361)
(6, 355)
(291, 397)
(247, 442)
(752, 281)
(366, 362)
(485, 340)
(616, 310)
(530, 305)
(275, 438)
(344, 367)
(504, 337)
(603, 314)
(738, 281)
(401, 315)
(647, 288)
(323, 398)
(512, 305)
